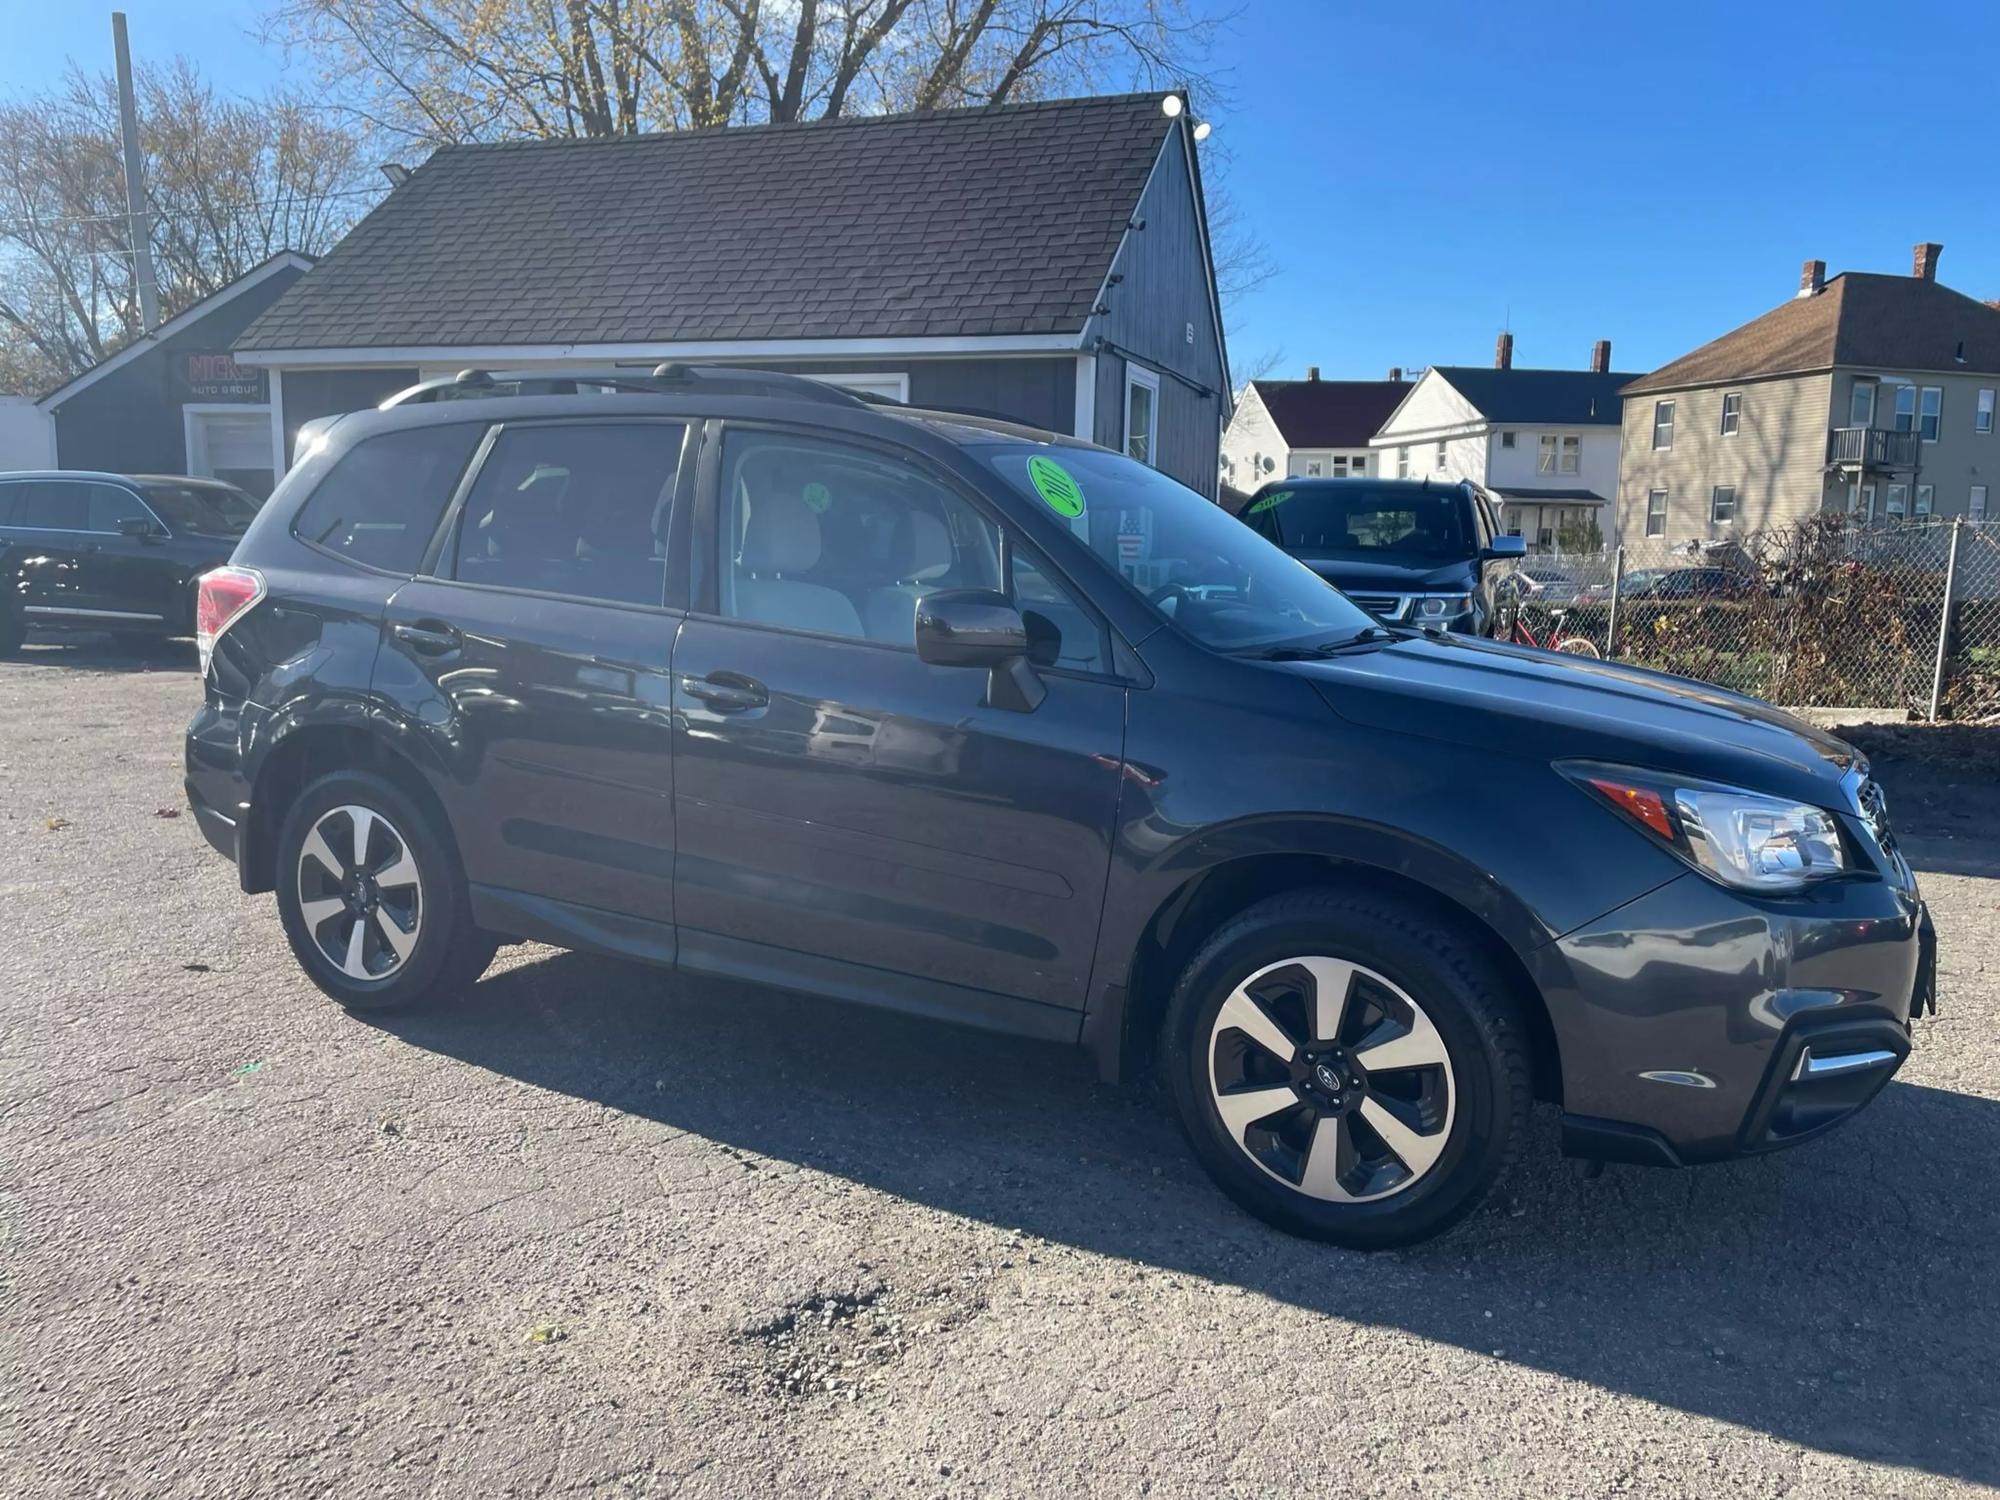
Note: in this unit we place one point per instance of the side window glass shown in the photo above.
(1061, 632)
(382, 500)
(55, 505)
(840, 541)
(578, 509)
(109, 505)
(10, 503)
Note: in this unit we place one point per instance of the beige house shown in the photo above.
(1868, 393)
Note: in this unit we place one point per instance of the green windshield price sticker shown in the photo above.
(1056, 485)
(817, 497)
(1270, 502)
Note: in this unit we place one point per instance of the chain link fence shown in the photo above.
(1824, 613)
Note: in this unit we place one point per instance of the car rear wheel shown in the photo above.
(372, 897)
(1348, 1067)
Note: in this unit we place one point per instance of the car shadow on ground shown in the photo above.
(1839, 1297)
(89, 652)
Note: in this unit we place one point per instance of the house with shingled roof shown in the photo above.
(1047, 262)
(1867, 393)
(1309, 428)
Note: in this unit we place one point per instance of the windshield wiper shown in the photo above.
(1367, 635)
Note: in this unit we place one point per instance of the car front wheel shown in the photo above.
(372, 899)
(1348, 1067)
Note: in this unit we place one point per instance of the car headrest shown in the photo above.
(782, 535)
(923, 547)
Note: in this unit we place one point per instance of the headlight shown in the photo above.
(1443, 606)
(1736, 838)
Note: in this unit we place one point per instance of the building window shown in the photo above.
(1898, 504)
(1440, 454)
(1314, 468)
(1722, 505)
(1861, 405)
(1507, 438)
(1663, 424)
(1572, 453)
(1975, 507)
(1930, 412)
(1656, 513)
(1926, 493)
(1559, 455)
(1142, 400)
(1983, 420)
(1906, 408)
(1402, 463)
(1732, 413)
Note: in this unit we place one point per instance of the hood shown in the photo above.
(1517, 701)
(1384, 574)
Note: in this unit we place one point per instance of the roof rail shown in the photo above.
(719, 380)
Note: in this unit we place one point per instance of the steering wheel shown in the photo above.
(1166, 591)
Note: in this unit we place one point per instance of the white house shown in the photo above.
(1309, 428)
(1543, 442)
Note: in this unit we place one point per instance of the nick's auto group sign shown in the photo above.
(217, 377)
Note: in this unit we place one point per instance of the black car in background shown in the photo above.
(116, 552)
(1406, 550)
(742, 674)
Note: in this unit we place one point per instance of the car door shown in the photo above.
(144, 574)
(849, 818)
(55, 545)
(540, 643)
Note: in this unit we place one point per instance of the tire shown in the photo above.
(407, 898)
(1452, 1096)
(1576, 645)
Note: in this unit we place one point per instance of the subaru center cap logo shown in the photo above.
(1328, 1078)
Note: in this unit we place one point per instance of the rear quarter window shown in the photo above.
(381, 502)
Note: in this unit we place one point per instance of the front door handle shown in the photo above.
(428, 637)
(727, 692)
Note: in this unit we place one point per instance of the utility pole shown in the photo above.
(139, 222)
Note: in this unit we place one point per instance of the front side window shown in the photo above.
(206, 509)
(1061, 631)
(1656, 513)
(1982, 420)
(1732, 413)
(1142, 400)
(1930, 412)
(381, 502)
(1213, 578)
(573, 508)
(111, 505)
(1861, 405)
(822, 537)
(1663, 424)
(1722, 505)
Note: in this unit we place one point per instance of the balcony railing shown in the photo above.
(1871, 448)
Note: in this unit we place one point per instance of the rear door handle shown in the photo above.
(428, 637)
(727, 692)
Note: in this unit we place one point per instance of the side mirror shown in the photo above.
(981, 628)
(1506, 547)
(135, 526)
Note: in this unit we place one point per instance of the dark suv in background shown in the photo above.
(744, 674)
(116, 552)
(1405, 550)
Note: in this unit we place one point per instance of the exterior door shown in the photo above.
(541, 646)
(846, 812)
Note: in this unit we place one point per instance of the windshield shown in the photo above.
(1194, 563)
(1403, 519)
(210, 509)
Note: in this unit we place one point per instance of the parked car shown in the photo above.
(1407, 551)
(1541, 584)
(971, 720)
(1664, 584)
(117, 552)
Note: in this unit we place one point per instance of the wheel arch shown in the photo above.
(1123, 1032)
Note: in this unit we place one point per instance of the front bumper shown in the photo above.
(1695, 1024)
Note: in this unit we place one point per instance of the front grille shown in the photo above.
(1383, 606)
(1875, 813)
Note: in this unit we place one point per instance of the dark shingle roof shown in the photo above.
(1858, 318)
(1535, 398)
(983, 221)
(1329, 413)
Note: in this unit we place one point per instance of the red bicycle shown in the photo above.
(1557, 638)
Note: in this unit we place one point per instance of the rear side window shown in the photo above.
(55, 505)
(382, 501)
(10, 503)
(574, 508)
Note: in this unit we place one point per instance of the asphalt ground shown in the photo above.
(602, 1230)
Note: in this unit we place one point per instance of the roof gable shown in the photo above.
(966, 223)
(1531, 398)
(1859, 318)
(1329, 413)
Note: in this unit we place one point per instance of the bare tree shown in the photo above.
(230, 182)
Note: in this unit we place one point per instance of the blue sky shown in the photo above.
(1425, 171)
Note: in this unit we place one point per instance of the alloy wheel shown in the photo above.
(1332, 1079)
(360, 893)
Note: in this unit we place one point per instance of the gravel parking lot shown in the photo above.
(603, 1230)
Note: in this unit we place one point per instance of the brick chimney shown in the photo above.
(1923, 261)
(1503, 352)
(1396, 373)
(1600, 356)
(1812, 278)
(1312, 372)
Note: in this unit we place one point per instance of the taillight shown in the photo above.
(221, 599)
